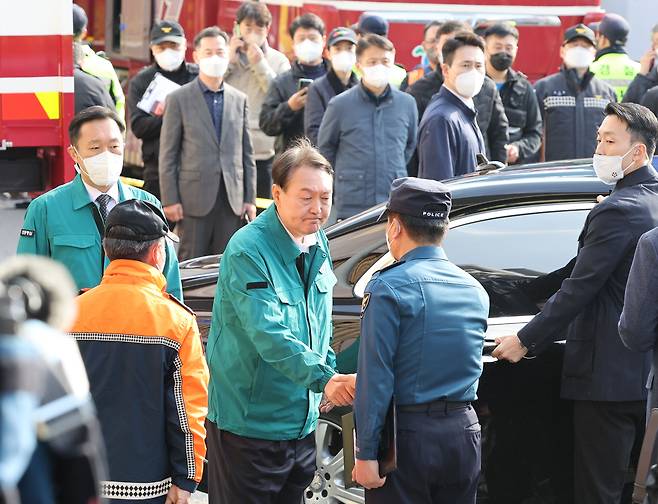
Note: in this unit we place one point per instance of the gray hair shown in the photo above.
(654, 29)
(117, 248)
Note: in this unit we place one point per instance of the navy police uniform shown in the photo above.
(422, 333)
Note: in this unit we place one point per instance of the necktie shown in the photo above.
(103, 201)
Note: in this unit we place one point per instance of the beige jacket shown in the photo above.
(254, 81)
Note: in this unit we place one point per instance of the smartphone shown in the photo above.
(303, 83)
(236, 30)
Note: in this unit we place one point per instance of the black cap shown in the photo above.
(579, 31)
(167, 31)
(79, 19)
(139, 220)
(615, 28)
(341, 34)
(416, 197)
(370, 23)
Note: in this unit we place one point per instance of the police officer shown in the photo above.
(97, 65)
(422, 332)
(67, 223)
(612, 65)
(572, 100)
(521, 107)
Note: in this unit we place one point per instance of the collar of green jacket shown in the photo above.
(80, 196)
(137, 273)
(287, 248)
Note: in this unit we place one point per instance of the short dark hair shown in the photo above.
(117, 248)
(95, 113)
(209, 32)
(453, 26)
(302, 153)
(308, 21)
(255, 11)
(373, 40)
(501, 30)
(641, 123)
(431, 24)
(462, 39)
(422, 230)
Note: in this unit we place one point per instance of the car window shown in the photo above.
(504, 248)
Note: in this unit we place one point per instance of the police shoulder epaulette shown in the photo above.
(522, 75)
(180, 303)
(391, 266)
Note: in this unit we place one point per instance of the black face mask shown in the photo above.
(501, 61)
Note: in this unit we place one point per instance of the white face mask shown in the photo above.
(308, 51)
(213, 66)
(254, 38)
(609, 169)
(388, 241)
(578, 57)
(376, 76)
(469, 83)
(343, 61)
(170, 59)
(102, 169)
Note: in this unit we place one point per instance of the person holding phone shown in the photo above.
(282, 114)
(253, 65)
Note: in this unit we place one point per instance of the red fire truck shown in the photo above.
(36, 66)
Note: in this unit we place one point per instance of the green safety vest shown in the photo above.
(616, 69)
(102, 68)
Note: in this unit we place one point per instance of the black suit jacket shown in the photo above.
(586, 308)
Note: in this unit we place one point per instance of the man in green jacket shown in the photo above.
(67, 223)
(269, 347)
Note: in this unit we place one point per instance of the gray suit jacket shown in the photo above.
(192, 160)
(638, 325)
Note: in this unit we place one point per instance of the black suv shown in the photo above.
(507, 227)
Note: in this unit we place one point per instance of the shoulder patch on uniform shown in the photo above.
(391, 266)
(180, 303)
(28, 233)
(364, 303)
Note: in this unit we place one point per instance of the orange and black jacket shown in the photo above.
(149, 380)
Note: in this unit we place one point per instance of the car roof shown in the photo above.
(573, 180)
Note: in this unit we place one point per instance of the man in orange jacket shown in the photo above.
(145, 362)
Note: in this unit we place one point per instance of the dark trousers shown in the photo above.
(257, 471)
(200, 236)
(438, 459)
(264, 178)
(607, 437)
(151, 177)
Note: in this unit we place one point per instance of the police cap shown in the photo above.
(137, 220)
(421, 198)
(371, 23)
(579, 31)
(615, 28)
(167, 31)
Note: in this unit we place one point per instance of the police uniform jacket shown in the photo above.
(586, 309)
(572, 110)
(148, 378)
(268, 347)
(422, 333)
(522, 111)
(65, 225)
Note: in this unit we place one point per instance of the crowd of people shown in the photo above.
(342, 132)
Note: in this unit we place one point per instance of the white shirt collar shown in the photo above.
(95, 193)
(305, 242)
(467, 101)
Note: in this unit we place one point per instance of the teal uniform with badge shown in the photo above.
(65, 225)
(422, 333)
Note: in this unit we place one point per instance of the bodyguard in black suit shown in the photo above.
(604, 378)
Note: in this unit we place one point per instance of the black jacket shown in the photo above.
(650, 100)
(586, 308)
(319, 94)
(572, 109)
(522, 111)
(640, 85)
(276, 117)
(490, 112)
(145, 126)
(89, 91)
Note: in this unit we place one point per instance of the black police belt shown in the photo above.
(434, 406)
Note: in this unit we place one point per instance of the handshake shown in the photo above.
(339, 391)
